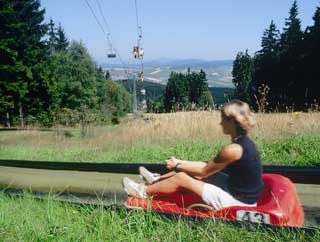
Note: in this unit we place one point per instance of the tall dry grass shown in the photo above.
(163, 128)
(170, 128)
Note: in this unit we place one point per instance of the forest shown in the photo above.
(284, 74)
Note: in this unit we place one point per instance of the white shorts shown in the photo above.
(218, 198)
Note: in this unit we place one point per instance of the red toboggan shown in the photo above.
(278, 205)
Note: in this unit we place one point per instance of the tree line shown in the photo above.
(45, 79)
(285, 73)
(189, 91)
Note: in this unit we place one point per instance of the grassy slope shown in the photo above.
(292, 150)
(290, 140)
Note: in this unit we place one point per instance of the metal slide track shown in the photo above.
(303, 175)
(297, 174)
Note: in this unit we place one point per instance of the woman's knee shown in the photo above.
(182, 175)
(182, 178)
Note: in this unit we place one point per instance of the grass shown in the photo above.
(282, 139)
(27, 219)
(300, 149)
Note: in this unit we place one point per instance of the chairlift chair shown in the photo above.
(111, 54)
(141, 76)
(138, 52)
(141, 53)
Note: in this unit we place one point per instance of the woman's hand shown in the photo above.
(171, 162)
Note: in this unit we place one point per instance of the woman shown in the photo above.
(240, 159)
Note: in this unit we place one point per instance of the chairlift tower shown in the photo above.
(134, 93)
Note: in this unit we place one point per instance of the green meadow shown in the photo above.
(282, 139)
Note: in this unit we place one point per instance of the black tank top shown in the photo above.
(245, 175)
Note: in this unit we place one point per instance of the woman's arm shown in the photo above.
(195, 164)
(227, 155)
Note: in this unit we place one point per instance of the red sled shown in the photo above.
(278, 205)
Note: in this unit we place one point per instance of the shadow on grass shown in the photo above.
(22, 129)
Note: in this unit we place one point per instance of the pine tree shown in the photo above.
(107, 75)
(310, 60)
(10, 66)
(62, 41)
(52, 40)
(206, 99)
(198, 86)
(265, 68)
(57, 40)
(270, 40)
(177, 92)
(291, 49)
(22, 42)
(292, 33)
(242, 75)
(186, 90)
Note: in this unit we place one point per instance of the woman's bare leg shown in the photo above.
(174, 183)
(167, 175)
(195, 164)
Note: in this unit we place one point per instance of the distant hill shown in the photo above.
(158, 71)
(156, 90)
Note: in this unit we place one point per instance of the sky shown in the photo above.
(175, 29)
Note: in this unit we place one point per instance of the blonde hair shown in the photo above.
(242, 115)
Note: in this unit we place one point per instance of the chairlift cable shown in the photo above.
(139, 28)
(104, 18)
(139, 35)
(97, 20)
(107, 35)
(106, 24)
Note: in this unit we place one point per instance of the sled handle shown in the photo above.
(201, 205)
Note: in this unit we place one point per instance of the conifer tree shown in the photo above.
(242, 75)
(22, 39)
(10, 65)
(52, 40)
(310, 60)
(292, 33)
(107, 75)
(266, 61)
(198, 85)
(57, 40)
(177, 92)
(290, 80)
(270, 40)
(62, 41)
(182, 90)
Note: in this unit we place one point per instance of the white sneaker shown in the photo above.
(134, 189)
(148, 176)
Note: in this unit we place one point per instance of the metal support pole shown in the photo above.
(134, 106)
